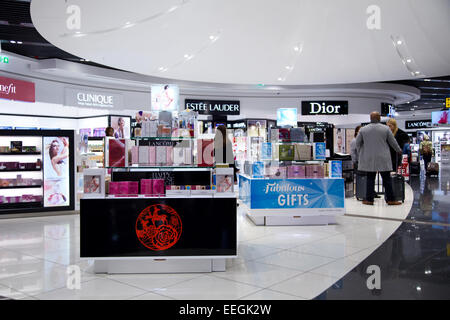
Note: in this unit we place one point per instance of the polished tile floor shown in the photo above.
(285, 262)
(415, 260)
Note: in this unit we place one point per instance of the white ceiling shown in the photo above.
(253, 41)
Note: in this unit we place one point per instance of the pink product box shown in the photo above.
(10, 165)
(27, 198)
(169, 157)
(152, 155)
(38, 198)
(2, 199)
(113, 187)
(134, 155)
(279, 173)
(146, 186)
(29, 165)
(158, 187)
(296, 172)
(123, 187)
(15, 199)
(133, 187)
(314, 171)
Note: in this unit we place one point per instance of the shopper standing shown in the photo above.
(372, 144)
(353, 151)
(402, 138)
(109, 132)
(426, 150)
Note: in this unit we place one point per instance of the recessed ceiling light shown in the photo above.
(19, 42)
(288, 67)
(296, 48)
(417, 72)
(408, 60)
(280, 79)
(12, 41)
(399, 42)
(426, 80)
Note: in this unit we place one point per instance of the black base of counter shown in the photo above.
(158, 227)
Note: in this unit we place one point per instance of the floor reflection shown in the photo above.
(415, 261)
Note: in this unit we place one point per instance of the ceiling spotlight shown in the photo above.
(280, 79)
(12, 41)
(399, 42)
(417, 72)
(426, 80)
(19, 42)
(128, 24)
(296, 48)
(288, 67)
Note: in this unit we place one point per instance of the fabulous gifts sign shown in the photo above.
(214, 107)
(297, 193)
(19, 90)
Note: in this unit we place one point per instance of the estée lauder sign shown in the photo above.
(310, 108)
(19, 90)
(216, 107)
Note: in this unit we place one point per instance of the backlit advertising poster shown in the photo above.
(287, 117)
(121, 126)
(165, 97)
(56, 172)
(440, 118)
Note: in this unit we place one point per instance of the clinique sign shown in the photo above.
(78, 97)
(310, 108)
(89, 99)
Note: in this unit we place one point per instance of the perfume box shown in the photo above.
(123, 187)
(279, 173)
(158, 186)
(284, 134)
(134, 155)
(178, 155)
(117, 152)
(298, 135)
(205, 152)
(274, 135)
(144, 155)
(152, 155)
(16, 146)
(188, 156)
(133, 187)
(296, 171)
(169, 156)
(303, 152)
(146, 186)
(161, 155)
(258, 169)
(113, 187)
(286, 152)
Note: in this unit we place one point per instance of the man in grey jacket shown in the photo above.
(372, 144)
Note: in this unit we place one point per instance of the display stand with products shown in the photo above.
(36, 170)
(161, 213)
(292, 184)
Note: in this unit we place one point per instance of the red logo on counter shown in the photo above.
(13, 89)
(158, 227)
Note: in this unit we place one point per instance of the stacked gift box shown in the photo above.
(162, 154)
(21, 199)
(273, 170)
(149, 187)
(15, 165)
(19, 181)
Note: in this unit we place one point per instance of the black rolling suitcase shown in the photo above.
(361, 185)
(398, 185)
(414, 168)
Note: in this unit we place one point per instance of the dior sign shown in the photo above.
(81, 98)
(310, 108)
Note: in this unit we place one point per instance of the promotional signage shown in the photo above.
(214, 107)
(447, 103)
(93, 99)
(387, 110)
(296, 193)
(18, 90)
(158, 227)
(310, 108)
(418, 124)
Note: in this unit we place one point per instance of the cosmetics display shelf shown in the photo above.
(164, 138)
(21, 170)
(19, 153)
(21, 187)
(162, 167)
(20, 205)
